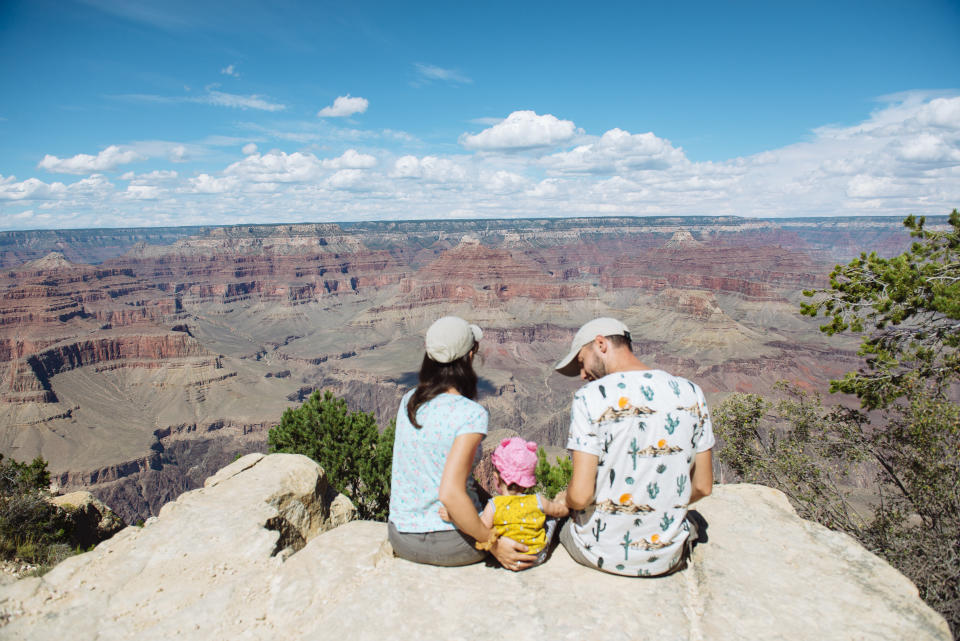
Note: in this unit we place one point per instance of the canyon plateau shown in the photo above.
(140, 361)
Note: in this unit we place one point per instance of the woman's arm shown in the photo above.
(453, 493)
(462, 512)
(486, 517)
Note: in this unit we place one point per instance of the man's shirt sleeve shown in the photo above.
(583, 433)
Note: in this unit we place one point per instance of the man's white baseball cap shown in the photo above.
(451, 337)
(569, 366)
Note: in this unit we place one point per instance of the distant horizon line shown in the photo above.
(450, 221)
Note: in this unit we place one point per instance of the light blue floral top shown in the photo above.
(419, 456)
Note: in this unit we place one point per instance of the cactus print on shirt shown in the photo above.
(420, 454)
(645, 427)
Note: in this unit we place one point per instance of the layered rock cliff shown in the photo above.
(262, 552)
(123, 351)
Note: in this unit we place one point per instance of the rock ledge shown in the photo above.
(222, 562)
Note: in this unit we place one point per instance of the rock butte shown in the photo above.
(261, 552)
(137, 362)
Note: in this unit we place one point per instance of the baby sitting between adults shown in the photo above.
(517, 513)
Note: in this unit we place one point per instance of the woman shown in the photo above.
(439, 430)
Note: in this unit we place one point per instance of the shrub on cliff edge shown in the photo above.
(356, 456)
(552, 479)
(907, 310)
(31, 528)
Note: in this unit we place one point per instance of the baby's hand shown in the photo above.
(444, 514)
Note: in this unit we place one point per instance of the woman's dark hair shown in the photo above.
(436, 378)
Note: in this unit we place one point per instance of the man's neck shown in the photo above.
(625, 362)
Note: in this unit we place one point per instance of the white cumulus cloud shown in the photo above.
(207, 184)
(617, 151)
(157, 175)
(429, 168)
(277, 166)
(344, 106)
(349, 179)
(940, 112)
(142, 192)
(178, 153)
(230, 70)
(249, 148)
(30, 189)
(521, 130)
(110, 158)
(351, 159)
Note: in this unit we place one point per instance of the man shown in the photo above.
(641, 442)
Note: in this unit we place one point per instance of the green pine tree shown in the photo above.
(356, 457)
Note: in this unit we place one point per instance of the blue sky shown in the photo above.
(119, 113)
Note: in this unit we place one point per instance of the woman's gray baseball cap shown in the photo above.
(568, 366)
(451, 337)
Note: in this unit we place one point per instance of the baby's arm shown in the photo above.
(553, 508)
(487, 515)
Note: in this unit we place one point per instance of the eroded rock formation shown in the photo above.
(138, 361)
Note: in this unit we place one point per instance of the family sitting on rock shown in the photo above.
(641, 443)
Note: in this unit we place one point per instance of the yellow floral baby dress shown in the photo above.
(520, 518)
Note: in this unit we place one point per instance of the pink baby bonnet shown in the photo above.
(516, 461)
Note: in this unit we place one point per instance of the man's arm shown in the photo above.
(557, 508)
(583, 483)
(701, 474)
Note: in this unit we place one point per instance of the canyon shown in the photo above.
(140, 361)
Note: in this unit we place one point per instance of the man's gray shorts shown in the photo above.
(566, 539)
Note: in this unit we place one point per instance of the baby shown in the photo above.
(517, 513)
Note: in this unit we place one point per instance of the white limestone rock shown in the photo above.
(207, 569)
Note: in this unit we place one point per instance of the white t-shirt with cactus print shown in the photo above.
(645, 427)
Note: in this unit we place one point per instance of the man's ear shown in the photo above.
(602, 343)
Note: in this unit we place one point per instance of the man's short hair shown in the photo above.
(620, 340)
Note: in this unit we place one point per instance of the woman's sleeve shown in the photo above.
(475, 421)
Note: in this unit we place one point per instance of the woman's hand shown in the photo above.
(511, 554)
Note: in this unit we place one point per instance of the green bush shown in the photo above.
(907, 311)
(552, 479)
(348, 446)
(909, 458)
(31, 528)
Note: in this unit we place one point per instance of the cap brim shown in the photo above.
(477, 332)
(569, 366)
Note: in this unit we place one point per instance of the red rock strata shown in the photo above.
(756, 273)
(484, 276)
(56, 315)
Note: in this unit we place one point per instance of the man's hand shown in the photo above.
(511, 555)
